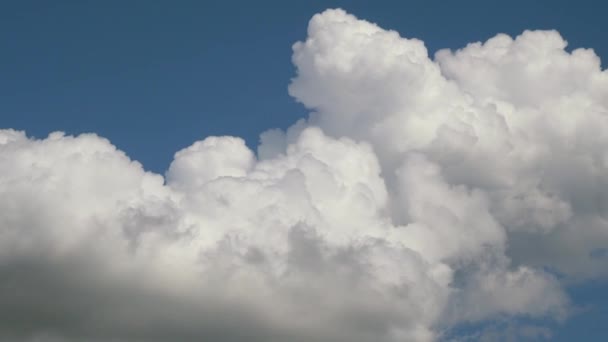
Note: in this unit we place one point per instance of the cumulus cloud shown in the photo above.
(421, 194)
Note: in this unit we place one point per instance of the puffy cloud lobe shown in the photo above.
(419, 195)
(208, 160)
(520, 121)
(109, 251)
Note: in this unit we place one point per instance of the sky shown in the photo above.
(456, 190)
(175, 73)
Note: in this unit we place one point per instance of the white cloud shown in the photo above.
(521, 121)
(419, 195)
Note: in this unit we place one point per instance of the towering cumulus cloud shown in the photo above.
(421, 194)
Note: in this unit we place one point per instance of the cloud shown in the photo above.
(421, 194)
(521, 120)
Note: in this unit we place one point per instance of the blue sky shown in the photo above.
(154, 76)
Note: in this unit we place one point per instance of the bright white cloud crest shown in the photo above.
(420, 194)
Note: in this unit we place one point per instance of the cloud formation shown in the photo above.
(419, 195)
